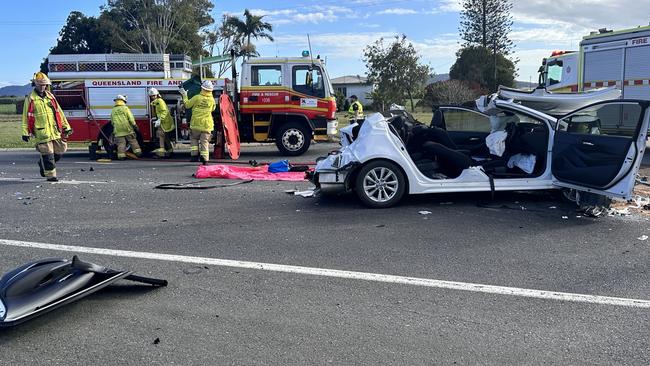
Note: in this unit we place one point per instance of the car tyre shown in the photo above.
(293, 139)
(380, 184)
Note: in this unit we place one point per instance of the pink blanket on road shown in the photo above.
(244, 172)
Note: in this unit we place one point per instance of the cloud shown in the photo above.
(308, 14)
(336, 45)
(449, 6)
(397, 11)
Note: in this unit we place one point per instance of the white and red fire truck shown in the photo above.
(288, 101)
(605, 58)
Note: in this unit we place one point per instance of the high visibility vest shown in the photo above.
(162, 113)
(202, 106)
(31, 119)
(122, 120)
(358, 113)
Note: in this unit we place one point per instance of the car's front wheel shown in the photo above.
(380, 184)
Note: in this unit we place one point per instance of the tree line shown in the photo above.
(482, 63)
(395, 68)
(161, 26)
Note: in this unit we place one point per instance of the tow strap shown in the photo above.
(193, 185)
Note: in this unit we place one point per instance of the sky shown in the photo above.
(340, 30)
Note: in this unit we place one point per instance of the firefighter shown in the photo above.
(124, 128)
(355, 112)
(44, 120)
(163, 123)
(201, 123)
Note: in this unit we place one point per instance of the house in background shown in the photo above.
(354, 85)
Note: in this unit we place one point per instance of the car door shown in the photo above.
(587, 159)
(466, 128)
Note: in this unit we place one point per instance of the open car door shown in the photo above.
(588, 158)
(467, 128)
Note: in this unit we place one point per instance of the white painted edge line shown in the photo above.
(374, 277)
(42, 180)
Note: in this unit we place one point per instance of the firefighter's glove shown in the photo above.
(183, 92)
(68, 132)
(25, 138)
(156, 123)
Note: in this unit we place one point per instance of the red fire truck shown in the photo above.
(288, 101)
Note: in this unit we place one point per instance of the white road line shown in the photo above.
(42, 180)
(26, 180)
(375, 277)
(77, 182)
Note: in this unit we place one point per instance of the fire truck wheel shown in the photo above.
(293, 139)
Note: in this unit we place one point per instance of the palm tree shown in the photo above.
(252, 26)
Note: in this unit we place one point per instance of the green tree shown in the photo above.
(395, 70)
(475, 65)
(449, 92)
(80, 34)
(157, 26)
(220, 41)
(487, 23)
(252, 26)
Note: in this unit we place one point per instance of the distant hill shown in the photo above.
(17, 90)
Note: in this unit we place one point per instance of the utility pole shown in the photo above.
(494, 56)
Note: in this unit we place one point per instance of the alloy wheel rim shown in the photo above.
(380, 184)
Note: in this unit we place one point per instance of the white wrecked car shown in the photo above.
(538, 152)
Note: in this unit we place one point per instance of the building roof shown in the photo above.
(350, 79)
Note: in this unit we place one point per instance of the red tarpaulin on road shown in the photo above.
(239, 172)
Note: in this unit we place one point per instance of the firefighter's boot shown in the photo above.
(41, 170)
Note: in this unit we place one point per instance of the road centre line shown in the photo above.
(374, 277)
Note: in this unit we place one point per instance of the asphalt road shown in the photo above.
(221, 315)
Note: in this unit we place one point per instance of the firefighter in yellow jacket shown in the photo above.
(44, 120)
(163, 123)
(201, 124)
(124, 128)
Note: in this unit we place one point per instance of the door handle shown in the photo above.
(474, 138)
(295, 98)
(588, 143)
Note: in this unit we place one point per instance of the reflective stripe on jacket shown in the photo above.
(202, 106)
(43, 118)
(356, 110)
(122, 119)
(162, 113)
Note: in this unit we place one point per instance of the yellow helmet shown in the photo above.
(41, 79)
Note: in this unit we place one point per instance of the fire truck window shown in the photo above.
(266, 75)
(308, 81)
(555, 73)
